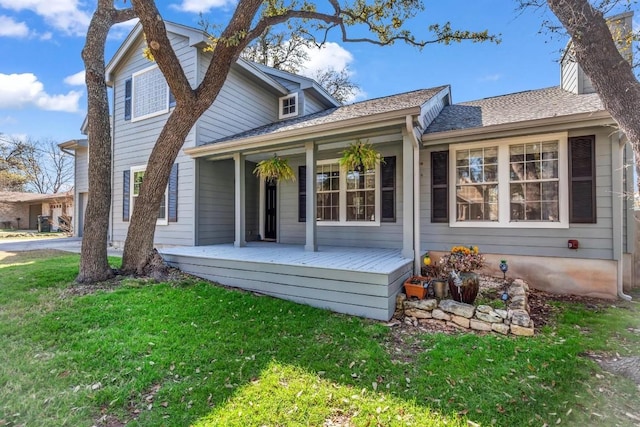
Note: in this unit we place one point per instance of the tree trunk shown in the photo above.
(94, 266)
(597, 53)
(190, 105)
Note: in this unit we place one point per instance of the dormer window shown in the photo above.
(288, 106)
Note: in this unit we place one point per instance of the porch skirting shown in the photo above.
(357, 281)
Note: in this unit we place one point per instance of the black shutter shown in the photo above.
(173, 194)
(125, 194)
(302, 194)
(440, 186)
(388, 189)
(127, 99)
(582, 179)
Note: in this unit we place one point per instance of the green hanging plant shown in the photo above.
(275, 168)
(360, 155)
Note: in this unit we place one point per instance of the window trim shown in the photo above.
(143, 168)
(281, 114)
(342, 214)
(503, 181)
(165, 110)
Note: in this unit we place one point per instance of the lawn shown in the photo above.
(193, 353)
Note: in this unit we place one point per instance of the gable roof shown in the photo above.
(520, 107)
(372, 111)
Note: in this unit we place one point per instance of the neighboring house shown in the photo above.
(78, 148)
(519, 175)
(20, 211)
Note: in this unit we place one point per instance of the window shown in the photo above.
(288, 106)
(146, 95)
(132, 182)
(346, 197)
(518, 182)
(330, 198)
(582, 188)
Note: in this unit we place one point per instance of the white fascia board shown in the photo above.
(196, 38)
(359, 124)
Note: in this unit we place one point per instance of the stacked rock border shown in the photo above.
(514, 319)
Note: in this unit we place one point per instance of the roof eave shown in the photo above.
(567, 122)
(381, 120)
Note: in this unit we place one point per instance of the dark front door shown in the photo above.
(271, 188)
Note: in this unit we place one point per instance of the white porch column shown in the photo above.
(407, 196)
(311, 244)
(239, 163)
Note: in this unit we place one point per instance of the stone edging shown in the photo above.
(514, 320)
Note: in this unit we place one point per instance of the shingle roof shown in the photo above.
(359, 109)
(513, 108)
(17, 197)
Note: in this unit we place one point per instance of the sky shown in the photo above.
(42, 93)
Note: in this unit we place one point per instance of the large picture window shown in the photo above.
(520, 182)
(149, 94)
(347, 196)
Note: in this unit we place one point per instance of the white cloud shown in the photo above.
(7, 120)
(11, 28)
(121, 30)
(64, 15)
(197, 6)
(24, 90)
(76, 79)
(490, 77)
(331, 55)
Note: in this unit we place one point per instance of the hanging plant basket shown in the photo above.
(360, 155)
(274, 169)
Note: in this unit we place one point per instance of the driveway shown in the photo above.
(68, 244)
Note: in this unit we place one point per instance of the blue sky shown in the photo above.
(42, 92)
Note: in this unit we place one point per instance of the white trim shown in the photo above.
(503, 180)
(143, 168)
(165, 110)
(281, 114)
(343, 199)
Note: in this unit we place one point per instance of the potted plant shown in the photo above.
(416, 286)
(460, 266)
(360, 155)
(439, 280)
(275, 168)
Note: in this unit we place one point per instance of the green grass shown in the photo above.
(196, 354)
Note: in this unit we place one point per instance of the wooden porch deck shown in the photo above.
(357, 281)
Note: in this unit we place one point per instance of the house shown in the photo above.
(21, 211)
(79, 149)
(536, 178)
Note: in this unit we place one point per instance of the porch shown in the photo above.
(351, 280)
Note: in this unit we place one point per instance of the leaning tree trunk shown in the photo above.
(94, 266)
(610, 73)
(190, 105)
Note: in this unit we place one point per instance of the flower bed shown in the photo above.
(513, 319)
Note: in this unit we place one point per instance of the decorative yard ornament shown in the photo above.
(504, 268)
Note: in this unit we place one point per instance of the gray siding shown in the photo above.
(216, 206)
(596, 240)
(241, 105)
(311, 103)
(133, 142)
(81, 170)
(387, 235)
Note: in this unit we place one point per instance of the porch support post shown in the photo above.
(407, 196)
(311, 150)
(239, 163)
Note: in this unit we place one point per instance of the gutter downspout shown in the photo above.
(416, 194)
(618, 192)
